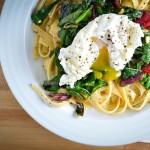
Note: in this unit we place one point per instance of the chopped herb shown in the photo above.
(80, 109)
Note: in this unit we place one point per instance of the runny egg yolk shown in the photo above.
(102, 63)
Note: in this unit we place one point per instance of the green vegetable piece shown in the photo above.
(67, 7)
(146, 33)
(70, 19)
(62, 35)
(86, 4)
(99, 84)
(76, 94)
(101, 1)
(56, 79)
(39, 16)
(99, 10)
(55, 51)
(132, 14)
(146, 54)
(146, 81)
(52, 85)
(129, 72)
(81, 91)
(66, 36)
(80, 109)
(57, 61)
(67, 40)
(53, 88)
(108, 8)
(84, 17)
(143, 53)
(85, 93)
(89, 88)
(89, 81)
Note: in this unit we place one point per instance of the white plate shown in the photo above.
(20, 69)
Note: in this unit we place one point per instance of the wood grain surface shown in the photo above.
(18, 131)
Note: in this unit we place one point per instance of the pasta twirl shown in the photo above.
(111, 99)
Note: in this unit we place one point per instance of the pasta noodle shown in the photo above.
(136, 4)
(111, 99)
(47, 99)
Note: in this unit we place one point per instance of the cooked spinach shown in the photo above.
(56, 52)
(143, 53)
(67, 7)
(82, 92)
(88, 80)
(131, 69)
(57, 62)
(84, 16)
(129, 72)
(67, 35)
(39, 16)
(99, 84)
(52, 85)
(86, 86)
(146, 54)
(71, 18)
(76, 15)
(146, 33)
(146, 81)
(132, 14)
(75, 93)
(80, 109)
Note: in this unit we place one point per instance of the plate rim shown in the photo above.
(18, 97)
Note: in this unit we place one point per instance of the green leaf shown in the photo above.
(70, 19)
(66, 36)
(55, 51)
(80, 109)
(67, 7)
(52, 85)
(99, 10)
(84, 92)
(87, 85)
(76, 94)
(56, 60)
(53, 88)
(99, 84)
(146, 81)
(146, 33)
(84, 16)
(129, 72)
(81, 92)
(132, 14)
(56, 79)
(89, 80)
(146, 54)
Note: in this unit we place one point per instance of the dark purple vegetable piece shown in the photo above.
(94, 12)
(131, 80)
(80, 109)
(60, 96)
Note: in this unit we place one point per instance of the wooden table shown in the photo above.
(18, 131)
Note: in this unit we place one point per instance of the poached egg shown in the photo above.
(105, 44)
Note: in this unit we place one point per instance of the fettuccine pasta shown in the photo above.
(111, 99)
(137, 4)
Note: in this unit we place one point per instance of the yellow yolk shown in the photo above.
(102, 63)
